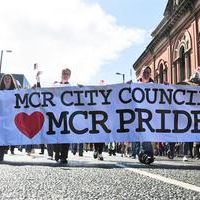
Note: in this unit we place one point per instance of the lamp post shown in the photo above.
(1, 58)
(123, 76)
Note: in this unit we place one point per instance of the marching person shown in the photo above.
(7, 82)
(112, 148)
(42, 146)
(61, 150)
(146, 155)
(98, 149)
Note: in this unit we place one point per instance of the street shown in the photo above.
(36, 177)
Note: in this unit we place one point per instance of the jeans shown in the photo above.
(147, 148)
(188, 146)
(172, 148)
(135, 148)
(29, 148)
(78, 147)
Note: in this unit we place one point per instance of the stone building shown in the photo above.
(174, 52)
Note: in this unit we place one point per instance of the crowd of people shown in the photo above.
(144, 151)
(171, 151)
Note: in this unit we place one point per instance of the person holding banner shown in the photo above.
(7, 83)
(61, 150)
(146, 155)
(194, 80)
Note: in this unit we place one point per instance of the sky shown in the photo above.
(94, 38)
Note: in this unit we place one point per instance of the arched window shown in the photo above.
(182, 64)
(182, 57)
(161, 72)
(156, 79)
(189, 64)
(175, 72)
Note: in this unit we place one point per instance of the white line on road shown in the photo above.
(162, 178)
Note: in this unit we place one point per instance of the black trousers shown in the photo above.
(61, 150)
(42, 147)
(2, 152)
(50, 150)
(98, 147)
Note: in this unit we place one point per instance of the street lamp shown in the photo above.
(1, 59)
(123, 76)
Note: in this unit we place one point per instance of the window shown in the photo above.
(182, 56)
(189, 64)
(161, 73)
(175, 73)
(182, 64)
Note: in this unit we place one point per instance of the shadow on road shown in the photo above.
(163, 166)
(103, 165)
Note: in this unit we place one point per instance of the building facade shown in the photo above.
(174, 52)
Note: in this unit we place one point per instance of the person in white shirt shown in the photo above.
(61, 150)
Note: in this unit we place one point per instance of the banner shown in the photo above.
(120, 112)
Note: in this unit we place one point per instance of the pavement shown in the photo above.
(36, 177)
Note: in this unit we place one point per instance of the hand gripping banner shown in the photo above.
(120, 112)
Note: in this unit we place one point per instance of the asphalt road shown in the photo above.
(35, 177)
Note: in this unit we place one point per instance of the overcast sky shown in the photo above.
(95, 38)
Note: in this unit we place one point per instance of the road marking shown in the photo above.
(162, 178)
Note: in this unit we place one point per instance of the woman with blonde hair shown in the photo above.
(7, 82)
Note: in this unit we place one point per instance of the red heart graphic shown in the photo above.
(29, 125)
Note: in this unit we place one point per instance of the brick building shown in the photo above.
(174, 52)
